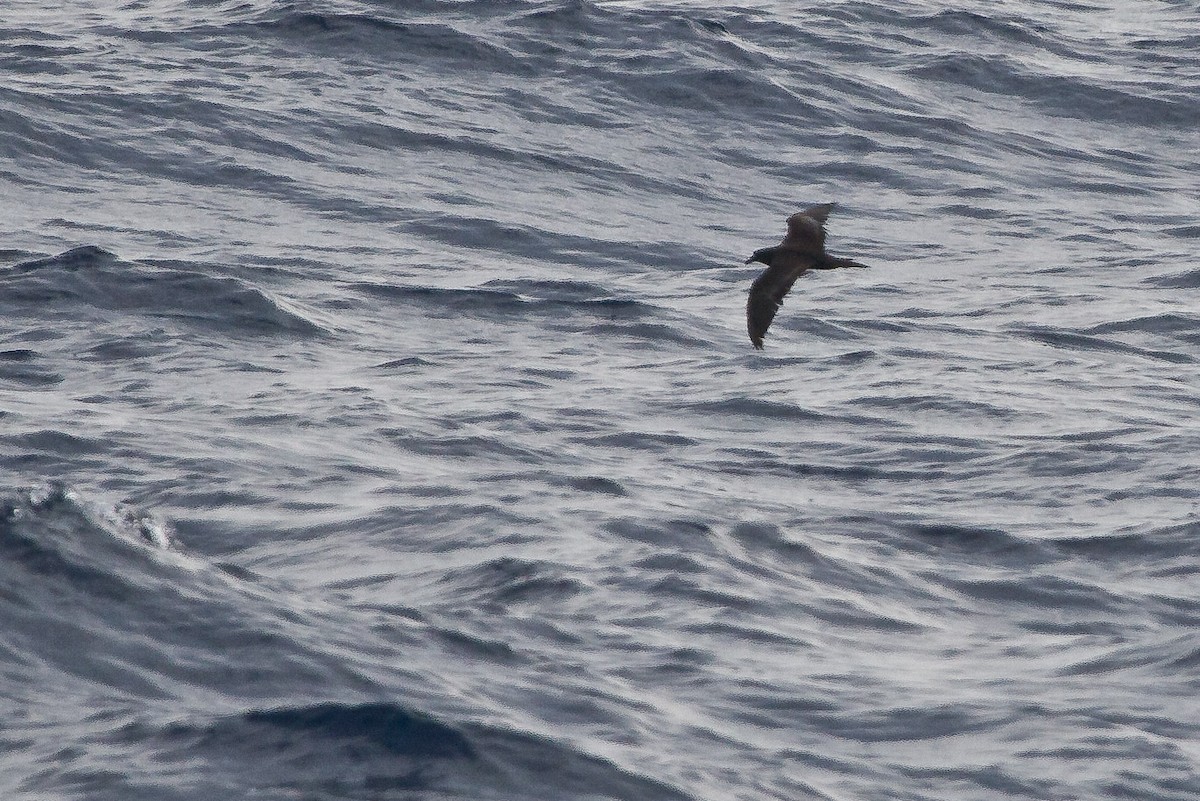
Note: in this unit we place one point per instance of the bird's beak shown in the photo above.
(749, 260)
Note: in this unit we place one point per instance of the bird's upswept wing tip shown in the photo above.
(819, 212)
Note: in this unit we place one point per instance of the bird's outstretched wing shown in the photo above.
(768, 290)
(827, 262)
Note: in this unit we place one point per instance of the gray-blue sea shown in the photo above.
(378, 418)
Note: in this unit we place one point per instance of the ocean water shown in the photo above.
(378, 419)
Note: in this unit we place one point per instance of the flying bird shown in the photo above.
(803, 249)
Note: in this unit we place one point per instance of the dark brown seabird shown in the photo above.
(803, 249)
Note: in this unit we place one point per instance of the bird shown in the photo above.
(803, 249)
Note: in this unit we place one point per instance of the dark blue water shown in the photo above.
(378, 420)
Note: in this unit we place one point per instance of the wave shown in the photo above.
(20, 367)
(91, 278)
(216, 678)
(558, 300)
(365, 750)
(100, 577)
(1086, 341)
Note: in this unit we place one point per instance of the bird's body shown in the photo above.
(803, 249)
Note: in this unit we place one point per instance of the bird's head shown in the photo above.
(763, 255)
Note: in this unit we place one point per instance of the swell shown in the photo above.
(89, 279)
(224, 682)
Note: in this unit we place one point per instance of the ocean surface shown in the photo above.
(378, 418)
